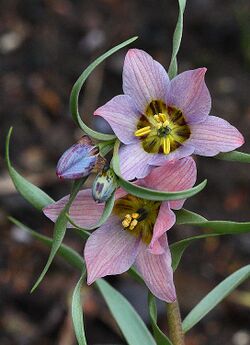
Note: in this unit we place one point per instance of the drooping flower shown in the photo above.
(159, 120)
(79, 160)
(135, 233)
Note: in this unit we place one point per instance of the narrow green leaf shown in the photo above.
(70, 255)
(104, 217)
(234, 156)
(60, 230)
(178, 248)
(77, 88)
(172, 71)
(160, 337)
(215, 297)
(147, 193)
(219, 226)
(130, 323)
(77, 312)
(34, 195)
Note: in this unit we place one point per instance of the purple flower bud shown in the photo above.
(78, 161)
(104, 185)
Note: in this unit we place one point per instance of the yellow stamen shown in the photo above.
(133, 224)
(162, 117)
(166, 145)
(135, 215)
(159, 125)
(142, 131)
(125, 223)
(156, 117)
(128, 217)
(166, 123)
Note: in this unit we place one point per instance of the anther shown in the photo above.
(162, 117)
(142, 131)
(135, 215)
(133, 224)
(166, 145)
(157, 118)
(125, 223)
(165, 123)
(128, 217)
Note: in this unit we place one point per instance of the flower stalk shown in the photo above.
(176, 334)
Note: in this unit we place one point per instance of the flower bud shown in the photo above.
(104, 185)
(78, 161)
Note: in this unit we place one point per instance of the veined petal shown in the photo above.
(144, 79)
(84, 211)
(172, 177)
(181, 152)
(110, 250)
(121, 114)
(214, 135)
(165, 220)
(189, 93)
(157, 272)
(134, 161)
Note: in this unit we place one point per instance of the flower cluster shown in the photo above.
(160, 123)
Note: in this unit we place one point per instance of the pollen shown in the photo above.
(130, 220)
(142, 131)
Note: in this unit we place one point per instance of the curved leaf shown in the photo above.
(234, 156)
(219, 226)
(77, 88)
(160, 337)
(130, 323)
(77, 313)
(105, 147)
(147, 193)
(172, 71)
(60, 230)
(178, 248)
(34, 195)
(215, 297)
(70, 255)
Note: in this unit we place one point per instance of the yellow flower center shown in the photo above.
(162, 129)
(137, 216)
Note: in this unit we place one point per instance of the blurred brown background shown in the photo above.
(44, 46)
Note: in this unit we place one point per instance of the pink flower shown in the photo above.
(135, 233)
(159, 120)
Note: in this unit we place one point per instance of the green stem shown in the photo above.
(176, 334)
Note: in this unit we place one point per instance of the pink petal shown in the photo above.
(165, 220)
(144, 79)
(181, 152)
(122, 116)
(110, 250)
(214, 135)
(157, 272)
(84, 211)
(134, 161)
(189, 93)
(172, 177)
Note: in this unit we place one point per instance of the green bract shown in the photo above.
(147, 193)
(77, 88)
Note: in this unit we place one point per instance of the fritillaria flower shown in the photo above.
(135, 233)
(79, 160)
(159, 120)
